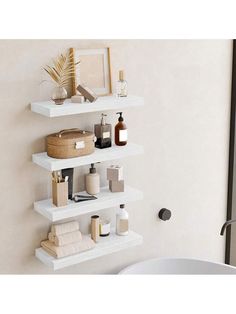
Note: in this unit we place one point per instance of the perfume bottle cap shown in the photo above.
(122, 205)
(103, 122)
(92, 169)
(121, 75)
(120, 117)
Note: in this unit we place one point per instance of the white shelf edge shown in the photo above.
(105, 246)
(106, 199)
(105, 103)
(100, 155)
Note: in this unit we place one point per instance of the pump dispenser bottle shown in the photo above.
(92, 181)
(103, 133)
(121, 132)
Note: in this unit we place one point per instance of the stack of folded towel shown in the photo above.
(65, 239)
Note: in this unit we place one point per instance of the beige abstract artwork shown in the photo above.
(91, 70)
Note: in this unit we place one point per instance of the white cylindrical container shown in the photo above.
(92, 181)
(122, 221)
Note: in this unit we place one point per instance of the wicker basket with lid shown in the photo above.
(70, 143)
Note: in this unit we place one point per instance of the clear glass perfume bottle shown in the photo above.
(121, 86)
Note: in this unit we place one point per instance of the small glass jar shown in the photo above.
(59, 95)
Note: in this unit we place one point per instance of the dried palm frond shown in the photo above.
(63, 69)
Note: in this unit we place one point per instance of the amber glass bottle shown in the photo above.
(121, 132)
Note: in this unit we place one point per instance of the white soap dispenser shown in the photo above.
(92, 181)
(122, 221)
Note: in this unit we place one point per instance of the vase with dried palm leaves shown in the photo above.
(61, 73)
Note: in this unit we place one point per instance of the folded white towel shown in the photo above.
(66, 238)
(65, 227)
(61, 251)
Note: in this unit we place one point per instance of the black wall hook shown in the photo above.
(164, 214)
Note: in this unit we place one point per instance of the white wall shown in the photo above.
(184, 128)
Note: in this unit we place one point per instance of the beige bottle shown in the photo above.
(122, 221)
(95, 228)
(92, 181)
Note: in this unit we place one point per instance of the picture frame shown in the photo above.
(93, 71)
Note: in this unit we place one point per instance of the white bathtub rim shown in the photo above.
(124, 270)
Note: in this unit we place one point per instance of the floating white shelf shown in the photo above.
(105, 199)
(49, 109)
(105, 246)
(111, 153)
